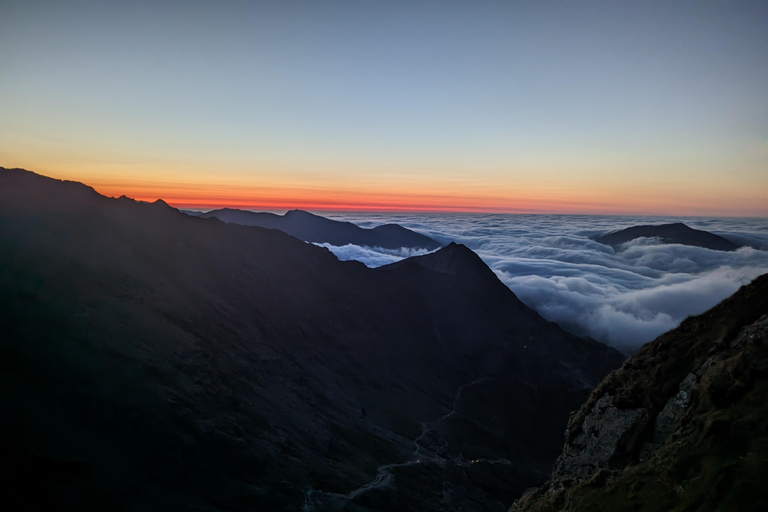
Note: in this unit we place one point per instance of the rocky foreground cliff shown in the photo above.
(682, 425)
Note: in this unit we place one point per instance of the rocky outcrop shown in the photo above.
(670, 417)
(603, 436)
(683, 425)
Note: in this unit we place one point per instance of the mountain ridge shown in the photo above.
(155, 357)
(674, 233)
(317, 229)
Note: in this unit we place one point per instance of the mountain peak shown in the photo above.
(456, 260)
(297, 212)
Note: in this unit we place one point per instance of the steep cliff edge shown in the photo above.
(682, 425)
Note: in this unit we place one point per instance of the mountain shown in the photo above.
(314, 228)
(152, 361)
(682, 425)
(677, 233)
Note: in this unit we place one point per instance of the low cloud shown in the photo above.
(624, 297)
(619, 315)
(629, 297)
(371, 256)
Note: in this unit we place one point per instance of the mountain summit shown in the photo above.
(454, 259)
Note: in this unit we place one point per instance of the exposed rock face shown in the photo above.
(314, 228)
(677, 233)
(151, 360)
(670, 417)
(683, 425)
(603, 435)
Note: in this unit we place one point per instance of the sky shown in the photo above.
(553, 107)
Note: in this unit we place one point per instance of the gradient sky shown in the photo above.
(601, 107)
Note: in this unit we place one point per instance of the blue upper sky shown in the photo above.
(485, 102)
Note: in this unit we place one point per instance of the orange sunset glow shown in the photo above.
(280, 112)
(422, 196)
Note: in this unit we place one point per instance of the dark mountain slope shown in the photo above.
(314, 228)
(153, 360)
(682, 425)
(677, 233)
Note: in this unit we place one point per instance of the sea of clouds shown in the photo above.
(623, 297)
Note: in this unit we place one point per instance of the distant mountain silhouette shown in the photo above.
(154, 360)
(677, 233)
(682, 425)
(314, 228)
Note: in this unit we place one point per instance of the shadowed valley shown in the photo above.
(154, 360)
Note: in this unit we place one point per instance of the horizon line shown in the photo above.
(386, 205)
(435, 210)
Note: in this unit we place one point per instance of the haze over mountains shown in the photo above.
(314, 228)
(153, 359)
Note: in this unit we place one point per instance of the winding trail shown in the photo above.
(384, 475)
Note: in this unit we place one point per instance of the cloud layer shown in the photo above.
(372, 256)
(623, 297)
